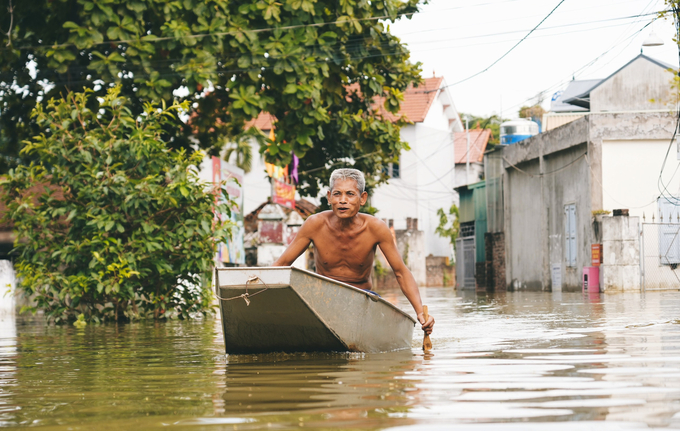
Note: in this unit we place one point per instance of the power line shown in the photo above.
(506, 53)
(583, 68)
(572, 24)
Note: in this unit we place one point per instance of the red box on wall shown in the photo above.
(596, 254)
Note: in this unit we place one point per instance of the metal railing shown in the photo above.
(660, 255)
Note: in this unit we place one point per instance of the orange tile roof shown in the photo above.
(479, 138)
(417, 101)
(416, 104)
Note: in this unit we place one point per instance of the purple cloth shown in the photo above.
(294, 171)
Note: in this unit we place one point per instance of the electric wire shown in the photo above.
(663, 190)
(507, 52)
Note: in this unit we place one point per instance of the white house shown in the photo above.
(426, 174)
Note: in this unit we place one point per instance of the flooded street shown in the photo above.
(570, 359)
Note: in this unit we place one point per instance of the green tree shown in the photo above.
(327, 70)
(110, 223)
(492, 122)
(534, 112)
(449, 224)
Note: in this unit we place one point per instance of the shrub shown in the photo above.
(110, 223)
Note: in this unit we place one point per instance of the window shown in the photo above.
(395, 170)
(392, 169)
(570, 251)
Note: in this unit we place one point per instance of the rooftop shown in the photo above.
(416, 104)
(479, 139)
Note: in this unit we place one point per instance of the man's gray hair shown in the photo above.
(349, 174)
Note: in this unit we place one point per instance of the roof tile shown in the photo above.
(479, 138)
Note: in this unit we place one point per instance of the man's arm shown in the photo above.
(404, 277)
(299, 244)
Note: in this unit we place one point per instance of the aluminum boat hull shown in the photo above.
(287, 309)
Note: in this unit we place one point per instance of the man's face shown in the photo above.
(345, 199)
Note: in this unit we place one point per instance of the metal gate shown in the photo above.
(660, 256)
(465, 262)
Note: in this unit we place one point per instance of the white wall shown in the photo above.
(630, 171)
(426, 182)
(476, 173)
(256, 185)
(7, 290)
(257, 188)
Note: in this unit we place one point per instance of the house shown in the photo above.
(425, 176)
(470, 247)
(469, 148)
(556, 185)
(561, 112)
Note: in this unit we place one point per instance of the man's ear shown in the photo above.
(364, 198)
(328, 195)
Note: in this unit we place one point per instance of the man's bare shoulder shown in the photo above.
(319, 217)
(376, 225)
(317, 220)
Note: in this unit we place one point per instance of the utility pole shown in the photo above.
(467, 154)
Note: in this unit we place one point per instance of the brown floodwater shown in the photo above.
(512, 361)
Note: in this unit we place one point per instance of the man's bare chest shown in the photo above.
(350, 245)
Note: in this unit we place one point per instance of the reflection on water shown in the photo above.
(507, 361)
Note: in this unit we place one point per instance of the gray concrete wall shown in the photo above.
(620, 269)
(411, 245)
(556, 140)
(631, 126)
(641, 85)
(570, 160)
(542, 175)
(524, 248)
(569, 185)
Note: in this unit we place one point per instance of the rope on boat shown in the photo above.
(246, 295)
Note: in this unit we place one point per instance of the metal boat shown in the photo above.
(286, 309)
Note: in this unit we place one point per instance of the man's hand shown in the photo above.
(427, 326)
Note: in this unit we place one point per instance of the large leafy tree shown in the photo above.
(111, 223)
(325, 69)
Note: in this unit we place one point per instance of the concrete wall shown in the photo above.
(411, 246)
(523, 216)
(620, 269)
(542, 175)
(633, 147)
(570, 185)
(440, 272)
(630, 174)
(640, 85)
(7, 289)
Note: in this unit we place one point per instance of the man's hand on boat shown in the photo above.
(345, 241)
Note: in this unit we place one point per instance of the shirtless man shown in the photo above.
(345, 241)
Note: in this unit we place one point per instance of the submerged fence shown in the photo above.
(660, 256)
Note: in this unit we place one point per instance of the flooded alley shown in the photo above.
(527, 358)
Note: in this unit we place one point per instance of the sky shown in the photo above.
(581, 39)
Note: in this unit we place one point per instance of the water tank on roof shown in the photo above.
(517, 130)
